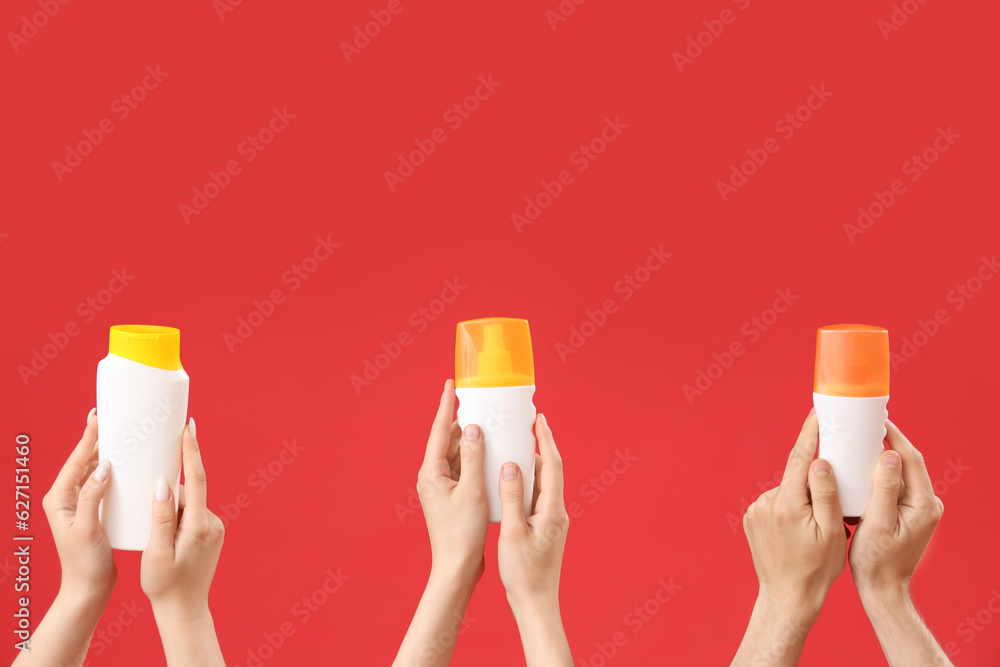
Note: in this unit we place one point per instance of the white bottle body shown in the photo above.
(851, 431)
(506, 416)
(141, 411)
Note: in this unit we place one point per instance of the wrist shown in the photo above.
(533, 606)
(887, 600)
(789, 609)
(83, 599)
(180, 612)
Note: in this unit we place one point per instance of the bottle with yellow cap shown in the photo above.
(850, 393)
(142, 395)
(494, 383)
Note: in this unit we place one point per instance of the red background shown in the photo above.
(338, 505)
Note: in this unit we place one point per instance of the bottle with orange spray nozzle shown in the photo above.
(494, 383)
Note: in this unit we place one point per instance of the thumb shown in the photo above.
(881, 512)
(89, 500)
(164, 527)
(512, 519)
(471, 449)
(825, 501)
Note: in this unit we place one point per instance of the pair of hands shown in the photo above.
(798, 541)
(452, 493)
(177, 566)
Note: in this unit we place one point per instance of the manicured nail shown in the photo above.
(812, 411)
(509, 471)
(545, 420)
(162, 490)
(445, 388)
(90, 415)
(891, 459)
(821, 467)
(472, 432)
(194, 433)
(101, 471)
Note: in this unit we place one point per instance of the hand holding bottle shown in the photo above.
(530, 551)
(798, 543)
(179, 563)
(888, 543)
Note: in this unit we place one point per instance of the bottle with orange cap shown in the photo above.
(494, 383)
(142, 395)
(850, 393)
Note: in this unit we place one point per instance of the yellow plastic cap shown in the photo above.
(852, 360)
(493, 352)
(159, 347)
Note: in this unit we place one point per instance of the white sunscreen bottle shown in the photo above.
(142, 395)
(494, 383)
(850, 394)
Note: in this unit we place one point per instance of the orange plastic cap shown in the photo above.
(493, 352)
(852, 360)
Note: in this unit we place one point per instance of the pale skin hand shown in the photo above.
(453, 497)
(88, 569)
(530, 551)
(179, 563)
(798, 542)
(888, 543)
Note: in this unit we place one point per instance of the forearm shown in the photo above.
(430, 639)
(775, 635)
(904, 636)
(542, 635)
(188, 637)
(63, 636)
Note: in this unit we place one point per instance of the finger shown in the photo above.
(473, 453)
(793, 480)
(439, 439)
(66, 487)
(551, 495)
(512, 521)
(915, 476)
(180, 497)
(454, 456)
(825, 501)
(90, 497)
(882, 512)
(164, 528)
(538, 483)
(195, 481)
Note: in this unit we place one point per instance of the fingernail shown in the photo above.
(90, 415)
(162, 490)
(101, 471)
(545, 420)
(472, 432)
(821, 467)
(812, 411)
(445, 388)
(509, 471)
(891, 459)
(194, 433)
